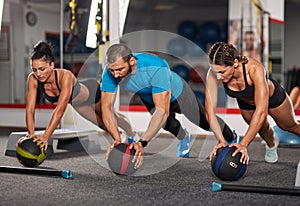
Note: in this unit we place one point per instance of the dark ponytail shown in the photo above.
(43, 50)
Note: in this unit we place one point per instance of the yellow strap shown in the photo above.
(25, 154)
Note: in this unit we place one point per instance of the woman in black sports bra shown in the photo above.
(62, 87)
(246, 80)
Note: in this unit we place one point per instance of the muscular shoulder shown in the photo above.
(256, 71)
(255, 67)
(64, 74)
(32, 80)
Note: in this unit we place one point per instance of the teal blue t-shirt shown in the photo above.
(153, 75)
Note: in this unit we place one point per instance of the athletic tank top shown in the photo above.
(246, 93)
(53, 99)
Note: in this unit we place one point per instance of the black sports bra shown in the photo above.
(53, 99)
(246, 93)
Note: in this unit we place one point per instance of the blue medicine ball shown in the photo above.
(182, 71)
(187, 29)
(225, 166)
(176, 47)
(210, 32)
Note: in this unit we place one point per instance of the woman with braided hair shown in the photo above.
(257, 96)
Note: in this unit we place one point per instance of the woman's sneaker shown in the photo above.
(184, 146)
(134, 138)
(271, 152)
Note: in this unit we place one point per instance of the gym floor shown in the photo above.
(163, 179)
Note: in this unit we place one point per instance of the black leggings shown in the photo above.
(189, 105)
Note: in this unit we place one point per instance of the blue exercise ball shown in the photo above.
(176, 47)
(182, 71)
(187, 29)
(197, 48)
(200, 96)
(286, 138)
(210, 32)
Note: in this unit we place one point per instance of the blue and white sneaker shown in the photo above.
(134, 138)
(184, 146)
(130, 139)
(237, 139)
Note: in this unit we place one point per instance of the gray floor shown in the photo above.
(163, 179)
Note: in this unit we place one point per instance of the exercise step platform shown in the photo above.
(71, 139)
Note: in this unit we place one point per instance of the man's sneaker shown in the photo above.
(184, 146)
(237, 139)
(134, 138)
(271, 152)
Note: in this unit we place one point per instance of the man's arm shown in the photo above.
(108, 117)
(107, 102)
(162, 105)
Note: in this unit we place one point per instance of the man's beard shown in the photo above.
(123, 77)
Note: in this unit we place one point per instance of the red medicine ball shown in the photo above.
(120, 159)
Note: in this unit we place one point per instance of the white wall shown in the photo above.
(18, 48)
(13, 74)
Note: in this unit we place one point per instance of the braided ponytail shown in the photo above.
(224, 54)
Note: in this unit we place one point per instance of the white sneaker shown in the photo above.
(271, 152)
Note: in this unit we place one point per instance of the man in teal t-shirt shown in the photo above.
(162, 91)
